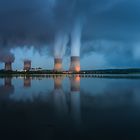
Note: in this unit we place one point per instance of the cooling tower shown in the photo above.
(75, 64)
(58, 64)
(8, 66)
(27, 65)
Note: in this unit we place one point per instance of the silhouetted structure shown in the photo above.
(75, 64)
(27, 65)
(8, 66)
(58, 64)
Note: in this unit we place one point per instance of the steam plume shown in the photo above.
(76, 39)
(61, 40)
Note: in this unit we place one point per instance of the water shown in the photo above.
(69, 108)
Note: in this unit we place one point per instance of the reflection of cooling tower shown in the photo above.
(8, 82)
(8, 66)
(60, 105)
(27, 82)
(58, 83)
(27, 65)
(75, 64)
(75, 99)
(58, 64)
(75, 84)
(6, 89)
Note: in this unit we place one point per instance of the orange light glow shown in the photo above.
(77, 68)
(58, 66)
(77, 78)
(58, 82)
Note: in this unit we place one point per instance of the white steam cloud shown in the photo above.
(61, 40)
(76, 39)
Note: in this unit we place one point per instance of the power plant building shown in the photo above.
(8, 66)
(57, 64)
(27, 65)
(75, 64)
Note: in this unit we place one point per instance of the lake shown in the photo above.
(60, 107)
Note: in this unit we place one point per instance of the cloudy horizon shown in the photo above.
(109, 32)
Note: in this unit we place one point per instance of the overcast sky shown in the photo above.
(110, 31)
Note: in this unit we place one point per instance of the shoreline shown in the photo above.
(116, 76)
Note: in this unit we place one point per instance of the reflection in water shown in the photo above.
(60, 103)
(70, 107)
(75, 98)
(27, 82)
(7, 88)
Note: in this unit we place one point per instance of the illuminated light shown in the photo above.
(75, 64)
(58, 64)
(58, 83)
(75, 84)
(77, 78)
(77, 68)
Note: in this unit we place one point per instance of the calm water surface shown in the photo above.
(69, 108)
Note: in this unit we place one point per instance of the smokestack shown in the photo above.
(75, 64)
(8, 66)
(75, 99)
(58, 64)
(27, 65)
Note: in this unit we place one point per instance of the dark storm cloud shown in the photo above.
(36, 22)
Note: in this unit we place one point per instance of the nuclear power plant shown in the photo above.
(75, 64)
(8, 66)
(58, 64)
(73, 67)
(60, 45)
(27, 65)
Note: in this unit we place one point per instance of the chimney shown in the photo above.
(8, 66)
(27, 65)
(75, 64)
(58, 64)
